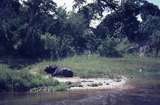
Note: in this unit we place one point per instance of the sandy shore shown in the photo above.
(93, 83)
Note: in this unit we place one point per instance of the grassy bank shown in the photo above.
(32, 76)
(22, 81)
(95, 66)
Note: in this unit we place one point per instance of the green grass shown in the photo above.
(95, 66)
(22, 81)
(82, 66)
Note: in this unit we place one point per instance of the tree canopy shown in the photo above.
(38, 28)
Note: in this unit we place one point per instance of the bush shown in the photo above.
(57, 47)
(22, 81)
(108, 49)
(51, 43)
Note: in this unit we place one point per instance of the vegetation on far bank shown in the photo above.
(40, 30)
(32, 76)
(96, 66)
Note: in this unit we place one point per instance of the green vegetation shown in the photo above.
(32, 77)
(108, 49)
(23, 81)
(96, 66)
(39, 30)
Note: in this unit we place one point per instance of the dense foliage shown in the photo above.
(40, 29)
(22, 81)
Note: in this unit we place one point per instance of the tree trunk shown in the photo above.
(157, 52)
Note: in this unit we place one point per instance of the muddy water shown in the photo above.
(138, 96)
(145, 91)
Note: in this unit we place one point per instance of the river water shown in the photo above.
(142, 95)
(145, 91)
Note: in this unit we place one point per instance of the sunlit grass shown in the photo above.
(135, 68)
(95, 66)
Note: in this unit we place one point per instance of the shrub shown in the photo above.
(61, 87)
(51, 43)
(108, 49)
(22, 81)
(57, 47)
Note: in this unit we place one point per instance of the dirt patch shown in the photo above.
(77, 83)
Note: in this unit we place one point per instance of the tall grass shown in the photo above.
(22, 81)
(96, 66)
(85, 66)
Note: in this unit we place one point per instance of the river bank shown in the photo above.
(137, 96)
(77, 83)
(32, 76)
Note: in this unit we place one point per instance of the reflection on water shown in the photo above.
(146, 92)
(143, 96)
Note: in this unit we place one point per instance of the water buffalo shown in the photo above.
(63, 72)
(50, 69)
(58, 71)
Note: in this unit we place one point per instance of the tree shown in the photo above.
(95, 10)
(151, 29)
(108, 48)
(51, 45)
(149, 9)
(9, 21)
(121, 23)
(74, 26)
(37, 15)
